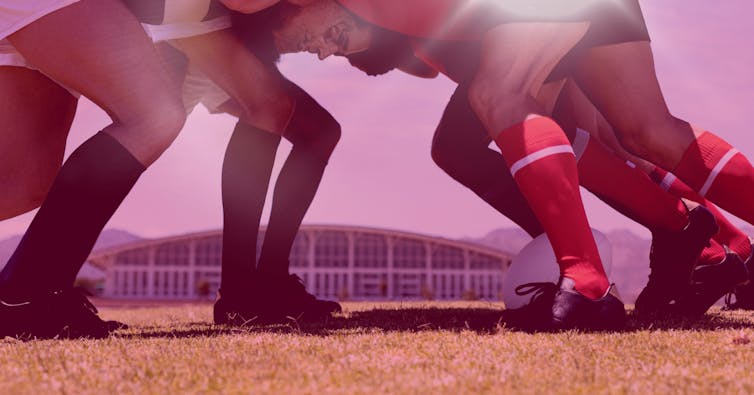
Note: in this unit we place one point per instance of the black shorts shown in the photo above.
(610, 22)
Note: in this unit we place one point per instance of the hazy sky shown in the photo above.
(382, 175)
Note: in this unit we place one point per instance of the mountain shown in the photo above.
(630, 263)
(108, 238)
(510, 240)
(630, 256)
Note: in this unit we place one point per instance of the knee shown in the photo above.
(499, 104)
(330, 136)
(481, 96)
(447, 155)
(166, 122)
(440, 154)
(642, 143)
(155, 125)
(322, 142)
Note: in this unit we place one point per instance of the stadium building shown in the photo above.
(335, 262)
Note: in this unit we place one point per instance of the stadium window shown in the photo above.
(447, 257)
(370, 250)
(209, 251)
(300, 251)
(408, 253)
(331, 249)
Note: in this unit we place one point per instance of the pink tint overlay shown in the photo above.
(382, 175)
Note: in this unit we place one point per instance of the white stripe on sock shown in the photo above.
(543, 153)
(580, 142)
(668, 181)
(716, 171)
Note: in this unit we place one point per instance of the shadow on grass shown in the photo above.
(485, 321)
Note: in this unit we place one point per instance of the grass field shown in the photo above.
(425, 348)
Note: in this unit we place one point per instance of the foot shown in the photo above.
(286, 297)
(572, 310)
(236, 311)
(742, 297)
(712, 282)
(272, 299)
(535, 315)
(672, 260)
(62, 314)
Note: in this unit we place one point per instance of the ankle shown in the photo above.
(593, 287)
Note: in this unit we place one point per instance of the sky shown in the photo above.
(382, 175)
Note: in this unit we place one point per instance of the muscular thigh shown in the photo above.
(515, 61)
(99, 49)
(36, 116)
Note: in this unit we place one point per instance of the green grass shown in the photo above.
(384, 348)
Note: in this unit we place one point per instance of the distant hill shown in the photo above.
(108, 238)
(630, 256)
(510, 240)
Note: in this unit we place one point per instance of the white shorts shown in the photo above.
(184, 20)
(185, 29)
(198, 88)
(9, 56)
(15, 14)
(172, 19)
(187, 18)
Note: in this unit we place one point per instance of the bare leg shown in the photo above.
(514, 63)
(36, 121)
(97, 48)
(620, 80)
(258, 89)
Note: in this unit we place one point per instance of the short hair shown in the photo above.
(255, 30)
(388, 50)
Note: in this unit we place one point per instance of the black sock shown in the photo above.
(295, 189)
(314, 134)
(246, 175)
(86, 192)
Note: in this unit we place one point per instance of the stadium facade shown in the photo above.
(336, 262)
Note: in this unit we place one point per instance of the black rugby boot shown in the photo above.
(572, 310)
(537, 314)
(672, 259)
(712, 282)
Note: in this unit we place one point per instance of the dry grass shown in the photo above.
(384, 348)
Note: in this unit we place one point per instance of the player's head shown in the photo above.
(388, 51)
(256, 30)
(322, 27)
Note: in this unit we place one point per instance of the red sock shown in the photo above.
(626, 188)
(541, 161)
(728, 235)
(720, 173)
(714, 253)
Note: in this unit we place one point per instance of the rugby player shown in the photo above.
(97, 48)
(273, 294)
(501, 93)
(219, 75)
(460, 149)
